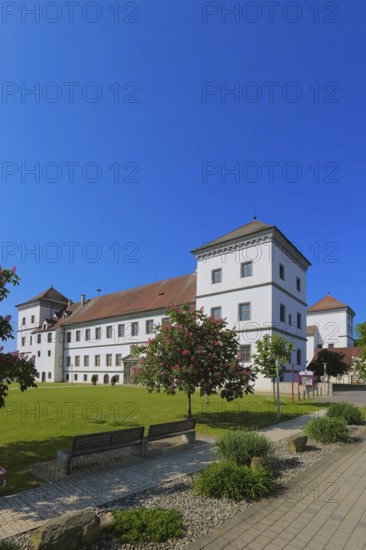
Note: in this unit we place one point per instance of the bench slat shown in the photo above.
(169, 429)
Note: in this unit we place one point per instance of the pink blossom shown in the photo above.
(185, 352)
(13, 269)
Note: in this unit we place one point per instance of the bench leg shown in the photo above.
(64, 461)
(190, 438)
(139, 450)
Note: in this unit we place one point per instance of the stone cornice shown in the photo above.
(273, 236)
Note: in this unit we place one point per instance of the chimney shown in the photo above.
(69, 303)
(82, 299)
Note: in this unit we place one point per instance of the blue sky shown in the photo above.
(132, 133)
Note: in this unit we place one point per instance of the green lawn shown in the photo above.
(37, 423)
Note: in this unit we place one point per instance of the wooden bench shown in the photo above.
(184, 428)
(100, 442)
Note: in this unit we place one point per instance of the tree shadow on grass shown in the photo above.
(252, 415)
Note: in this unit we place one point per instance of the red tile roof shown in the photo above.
(311, 330)
(160, 295)
(328, 302)
(49, 295)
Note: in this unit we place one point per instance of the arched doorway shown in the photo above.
(106, 379)
(43, 377)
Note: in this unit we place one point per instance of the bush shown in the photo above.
(327, 430)
(226, 480)
(240, 447)
(146, 525)
(7, 545)
(350, 413)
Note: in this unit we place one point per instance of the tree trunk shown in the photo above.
(189, 413)
(274, 389)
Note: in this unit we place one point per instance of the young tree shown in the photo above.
(269, 348)
(361, 335)
(192, 351)
(13, 366)
(359, 365)
(334, 361)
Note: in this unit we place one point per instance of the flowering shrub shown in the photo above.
(192, 351)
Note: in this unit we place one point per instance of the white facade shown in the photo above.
(254, 277)
(330, 325)
(258, 283)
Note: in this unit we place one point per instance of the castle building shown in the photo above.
(329, 325)
(253, 276)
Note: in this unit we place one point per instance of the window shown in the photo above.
(86, 360)
(118, 359)
(97, 360)
(216, 276)
(150, 327)
(78, 335)
(32, 319)
(246, 269)
(68, 336)
(23, 341)
(49, 375)
(38, 354)
(49, 353)
(75, 377)
(30, 340)
(109, 359)
(23, 321)
(245, 353)
(216, 312)
(282, 313)
(77, 360)
(67, 378)
(98, 333)
(68, 361)
(298, 284)
(49, 337)
(331, 346)
(109, 331)
(282, 272)
(319, 346)
(121, 331)
(298, 320)
(85, 378)
(244, 312)
(38, 338)
(298, 356)
(87, 334)
(290, 319)
(134, 329)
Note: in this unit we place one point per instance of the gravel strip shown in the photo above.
(199, 514)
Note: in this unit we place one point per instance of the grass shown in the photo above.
(37, 423)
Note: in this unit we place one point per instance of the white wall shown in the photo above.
(332, 328)
(104, 346)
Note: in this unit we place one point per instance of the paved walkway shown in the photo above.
(323, 508)
(92, 485)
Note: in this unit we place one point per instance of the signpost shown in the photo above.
(278, 387)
